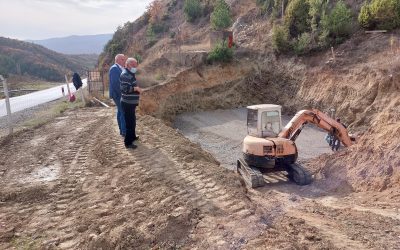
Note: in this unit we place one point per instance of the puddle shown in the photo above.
(44, 174)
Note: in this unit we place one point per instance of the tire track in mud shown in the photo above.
(191, 186)
(348, 226)
(167, 193)
(49, 221)
(74, 161)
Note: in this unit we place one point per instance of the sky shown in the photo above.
(41, 19)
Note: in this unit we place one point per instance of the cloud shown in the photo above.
(38, 19)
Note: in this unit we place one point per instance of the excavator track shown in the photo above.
(298, 174)
(251, 175)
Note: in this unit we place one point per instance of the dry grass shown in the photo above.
(48, 115)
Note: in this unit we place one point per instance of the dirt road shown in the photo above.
(71, 184)
(221, 133)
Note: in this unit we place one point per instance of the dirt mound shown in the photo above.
(366, 95)
(372, 164)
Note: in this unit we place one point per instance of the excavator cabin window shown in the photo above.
(252, 122)
(270, 123)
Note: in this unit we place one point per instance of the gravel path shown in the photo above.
(221, 133)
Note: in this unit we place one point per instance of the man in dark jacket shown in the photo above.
(115, 92)
(130, 93)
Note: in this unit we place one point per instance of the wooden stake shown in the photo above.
(83, 96)
(69, 91)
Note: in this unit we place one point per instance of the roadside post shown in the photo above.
(71, 97)
(8, 107)
(83, 96)
(69, 91)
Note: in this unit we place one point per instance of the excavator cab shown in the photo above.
(264, 120)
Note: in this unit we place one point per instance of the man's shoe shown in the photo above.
(132, 146)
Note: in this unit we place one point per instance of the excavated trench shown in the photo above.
(214, 117)
(221, 132)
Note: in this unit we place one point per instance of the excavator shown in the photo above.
(269, 148)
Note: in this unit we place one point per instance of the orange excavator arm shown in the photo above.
(293, 128)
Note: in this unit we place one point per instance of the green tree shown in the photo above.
(297, 17)
(193, 10)
(221, 16)
(338, 22)
(316, 12)
(280, 39)
(364, 18)
(221, 53)
(381, 14)
(266, 5)
(302, 44)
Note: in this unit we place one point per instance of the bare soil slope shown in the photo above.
(362, 85)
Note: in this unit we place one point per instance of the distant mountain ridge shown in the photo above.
(32, 60)
(88, 44)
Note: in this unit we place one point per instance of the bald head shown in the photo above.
(131, 63)
(120, 59)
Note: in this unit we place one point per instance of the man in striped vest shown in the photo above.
(130, 93)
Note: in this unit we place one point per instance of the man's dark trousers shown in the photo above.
(130, 122)
(120, 116)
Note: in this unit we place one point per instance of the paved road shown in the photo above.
(22, 102)
(221, 133)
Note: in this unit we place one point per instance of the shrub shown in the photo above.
(160, 77)
(151, 35)
(280, 39)
(155, 11)
(381, 14)
(159, 28)
(192, 9)
(364, 18)
(296, 18)
(266, 5)
(220, 53)
(302, 44)
(338, 22)
(316, 12)
(138, 58)
(324, 40)
(221, 16)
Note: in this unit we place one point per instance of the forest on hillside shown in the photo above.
(28, 59)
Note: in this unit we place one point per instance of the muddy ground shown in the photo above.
(71, 184)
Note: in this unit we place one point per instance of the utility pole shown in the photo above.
(8, 107)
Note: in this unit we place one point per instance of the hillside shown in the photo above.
(90, 44)
(361, 82)
(81, 188)
(28, 59)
